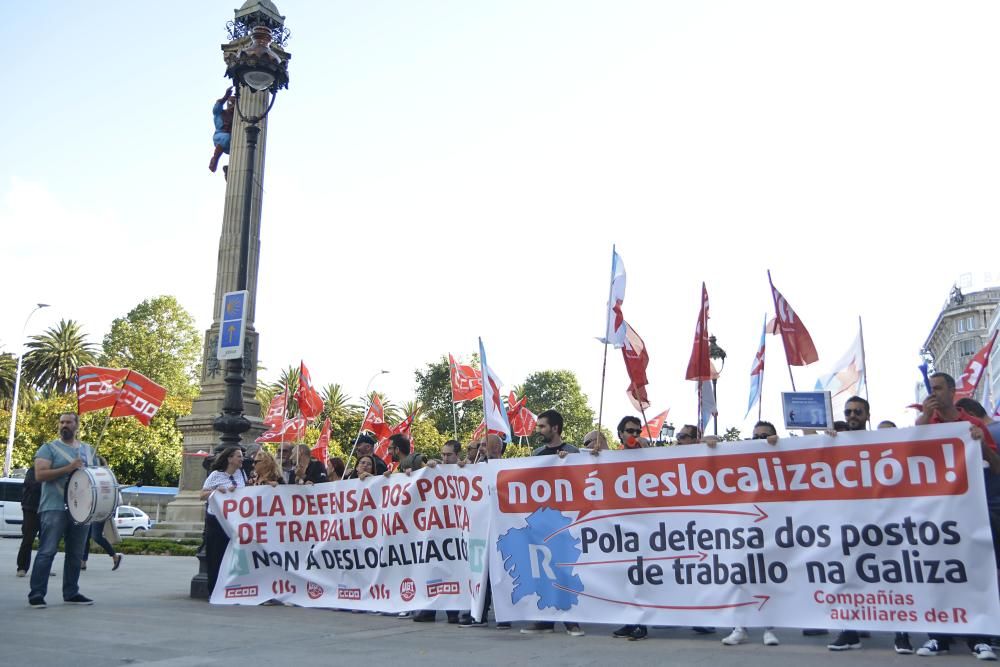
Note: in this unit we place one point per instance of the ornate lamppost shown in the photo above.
(716, 352)
(260, 70)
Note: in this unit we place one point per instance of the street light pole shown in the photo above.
(259, 69)
(716, 352)
(17, 388)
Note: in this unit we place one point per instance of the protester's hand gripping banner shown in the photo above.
(396, 544)
(880, 530)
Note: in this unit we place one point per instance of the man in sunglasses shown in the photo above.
(857, 413)
(688, 435)
(629, 429)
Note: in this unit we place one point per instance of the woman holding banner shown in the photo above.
(363, 469)
(227, 475)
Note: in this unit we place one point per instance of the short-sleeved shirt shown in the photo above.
(218, 478)
(59, 454)
(975, 421)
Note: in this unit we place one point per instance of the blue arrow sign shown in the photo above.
(232, 327)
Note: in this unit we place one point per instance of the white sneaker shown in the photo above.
(984, 652)
(931, 648)
(21, 573)
(737, 636)
(770, 639)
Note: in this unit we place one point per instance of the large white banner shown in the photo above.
(396, 544)
(880, 530)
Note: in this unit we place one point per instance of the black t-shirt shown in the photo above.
(551, 451)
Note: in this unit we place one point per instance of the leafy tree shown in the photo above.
(335, 401)
(52, 358)
(137, 454)
(732, 434)
(560, 390)
(434, 393)
(8, 371)
(426, 438)
(158, 339)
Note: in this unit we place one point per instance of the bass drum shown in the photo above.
(91, 495)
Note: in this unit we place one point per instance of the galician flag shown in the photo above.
(848, 374)
(757, 371)
(614, 332)
(494, 413)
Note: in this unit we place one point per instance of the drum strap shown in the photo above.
(69, 455)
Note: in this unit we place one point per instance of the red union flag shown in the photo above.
(375, 419)
(466, 381)
(310, 402)
(402, 428)
(522, 420)
(291, 430)
(700, 364)
(652, 430)
(140, 397)
(276, 412)
(636, 362)
(969, 381)
(96, 387)
(799, 348)
(322, 447)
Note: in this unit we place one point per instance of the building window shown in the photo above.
(960, 326)
(968, 348)
(970, 324)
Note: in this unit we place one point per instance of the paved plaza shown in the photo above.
(143, 615)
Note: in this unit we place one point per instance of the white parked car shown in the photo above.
(132, 521)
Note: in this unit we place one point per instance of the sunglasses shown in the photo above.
(685, 436)
(853, 411)
(633, 431)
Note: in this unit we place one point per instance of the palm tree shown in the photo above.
(8, 368)
(391, 410)
(412, 407)
(335, 401)
(53, 357)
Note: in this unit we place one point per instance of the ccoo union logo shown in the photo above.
(241, 592)
(345, 593)
(438, 587)
(407, 589)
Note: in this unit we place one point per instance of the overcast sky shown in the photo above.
(444, 170)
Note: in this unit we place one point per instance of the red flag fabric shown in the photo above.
(655, 425)
(402, 428)
(636, 362)
(479, 432)
(700, 364)
(969, 381)
(466, 381)
(322, 448)
(96, 387)
(310, 402)
(799, 348)
(522, 420)
(140, 397)
(291, 430)
(375, 419)
(275, 412)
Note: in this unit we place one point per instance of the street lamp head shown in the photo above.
(43, 305)
(257, 66)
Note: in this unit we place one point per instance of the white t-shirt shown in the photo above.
(219, 478)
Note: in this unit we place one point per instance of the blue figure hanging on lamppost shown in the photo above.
(223, 111)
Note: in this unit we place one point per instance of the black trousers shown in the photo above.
(29, 531)
(216, 542)
(97, 534)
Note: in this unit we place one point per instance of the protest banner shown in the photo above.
(382, 544)
(879, 530)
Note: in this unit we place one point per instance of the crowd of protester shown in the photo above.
(298, 467)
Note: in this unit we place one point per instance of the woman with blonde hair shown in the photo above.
(266, 470)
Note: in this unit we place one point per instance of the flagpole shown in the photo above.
(700, 429)
(777, 323)
(763, 367)
(986, 365)
(106, 419)
(454, 411)
(607, 324)
(645, 421)
(864, 363)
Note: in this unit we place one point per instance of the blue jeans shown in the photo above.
(56, 525)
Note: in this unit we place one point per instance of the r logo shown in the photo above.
(477, 554)
(541, 559)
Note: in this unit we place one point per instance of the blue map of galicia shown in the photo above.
(537, 566)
